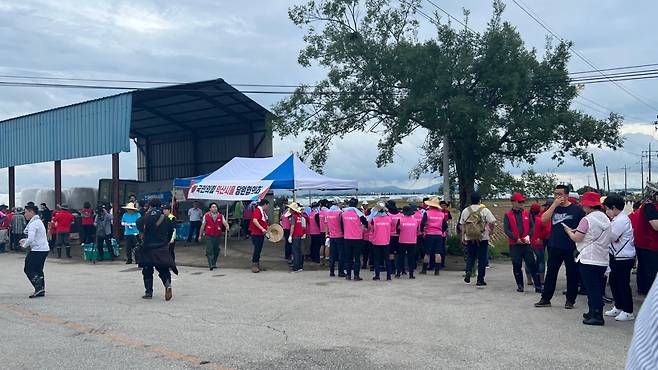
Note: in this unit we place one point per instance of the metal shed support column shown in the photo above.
(58, 182)
(12, 187)
(115, 195)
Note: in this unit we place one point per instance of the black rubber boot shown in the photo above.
(424, 270)
(595, 319)
(68, 252)
(59, 252)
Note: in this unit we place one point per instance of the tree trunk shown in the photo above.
(465, 166)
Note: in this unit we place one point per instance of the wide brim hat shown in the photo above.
(518, 197)
(295, 208)
(130, 206)
(433, 202)
(275, 233)
(590, 199)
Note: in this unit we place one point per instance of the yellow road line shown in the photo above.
(114, 338)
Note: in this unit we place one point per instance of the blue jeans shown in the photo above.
(337, 253)
(479, 249)
(297, 256)
(541, 260)
(257, 241)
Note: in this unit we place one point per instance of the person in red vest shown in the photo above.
(258, 228)
(539, 240)
(646, 241)
(213, 227)
(297, 235)
(87, 214)
(519, 226)
(62, 221)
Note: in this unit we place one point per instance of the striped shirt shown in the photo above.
(643, 353)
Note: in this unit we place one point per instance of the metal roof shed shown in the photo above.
(180, 130)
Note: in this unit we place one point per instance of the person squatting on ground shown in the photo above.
(297, 235)
(622, 258)
(103, 224)
(213, 227)
(592, 238)
(408, 228)
(353, 221)
(434, 226)
(336, 240)
(562, 247)
(258, 229)
(35, 259)
(476, 223)
(518, 226)
(130, 231)
(154, 252)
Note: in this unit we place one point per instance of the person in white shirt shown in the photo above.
(194, 214)
(37, 241)
(622, 258)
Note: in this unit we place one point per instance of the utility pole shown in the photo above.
(446, 170)
(607, 176)
(649, 162)
(642, 171)
(596, 176)
(625, 180)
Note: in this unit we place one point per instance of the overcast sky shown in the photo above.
(253, 41)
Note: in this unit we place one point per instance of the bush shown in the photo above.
(499, 248)
(454, 246)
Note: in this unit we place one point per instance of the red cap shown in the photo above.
(517, 197)
(573, 200)
(590, 199)
(535, 207)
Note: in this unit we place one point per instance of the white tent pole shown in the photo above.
(226, 234)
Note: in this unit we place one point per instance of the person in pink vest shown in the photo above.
(353, 221)
(434, 226)
(324, 251)
(395, 215)
(336, 241)
(408, 228)
(284, 221)
(519, 226)
(367, 254)
(418, 215)
(380, 227)
(314, 230)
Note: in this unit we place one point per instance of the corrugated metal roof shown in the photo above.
(88, 129)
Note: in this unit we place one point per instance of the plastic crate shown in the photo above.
(91, 253)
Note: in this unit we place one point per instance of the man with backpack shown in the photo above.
(477, 223)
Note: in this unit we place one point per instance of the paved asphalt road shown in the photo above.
(93, 318)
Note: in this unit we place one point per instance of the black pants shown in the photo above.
(647, 267)
(337, 253)
(287, 249)
(163, 272)
(245, 226)
(479, 249)
(408, 252)
(87, 234)
(353, 256)
(593, 281)
(257, 241)
(620, 283)
(380, 253)
(434, 245)
(368, 256)
(520, 253)
(195, 229)
(107, 240)
(316, 243)
(131, 243)
(557, 256)
(33, 269)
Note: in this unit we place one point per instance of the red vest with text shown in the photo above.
(645, 236)
(525, 216)
(213, 228)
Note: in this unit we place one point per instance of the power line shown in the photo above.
(582, 57)
(450, 15)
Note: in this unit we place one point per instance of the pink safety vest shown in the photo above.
(434, 224)
(409, 229)
(381, 231)
(352, 225)
(394, 223)
(285, 222)
(333, 223)
(313, 227)
(323, 220)
(419, 217)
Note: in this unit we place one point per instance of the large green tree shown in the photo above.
(492, 97)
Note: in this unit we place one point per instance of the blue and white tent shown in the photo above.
(287, 172)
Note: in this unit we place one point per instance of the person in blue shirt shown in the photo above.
(130, 231)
